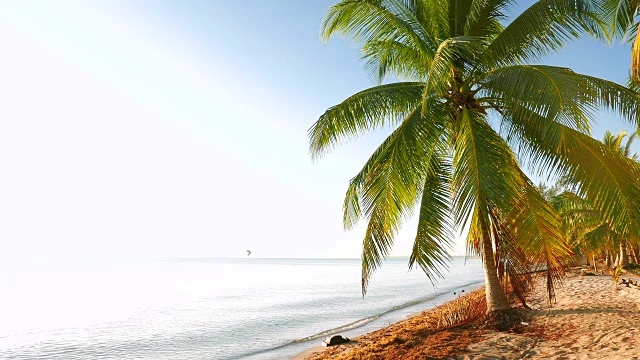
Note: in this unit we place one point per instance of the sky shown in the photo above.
(179, 128)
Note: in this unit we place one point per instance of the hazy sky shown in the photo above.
(179, 128)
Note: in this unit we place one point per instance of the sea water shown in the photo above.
(203, 308)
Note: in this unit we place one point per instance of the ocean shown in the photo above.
(206, 308)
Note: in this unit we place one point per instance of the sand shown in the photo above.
(589, 320)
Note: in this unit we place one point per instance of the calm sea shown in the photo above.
(206, 308)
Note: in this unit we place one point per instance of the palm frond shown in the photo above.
(598, 236)
(374, 20)
(484, 168)
(514, 267)
(367, 110)
(578, 215)
(458, 14)
(614, 97)
(484, 18)
(388, 187)
(542, 28)
(602, 175)
(550, 91)
(538, 228)
(619, 17)
(559, 94)
(389, 56)
(440, 76)
(433, 239)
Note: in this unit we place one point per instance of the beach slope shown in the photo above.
(589, 320)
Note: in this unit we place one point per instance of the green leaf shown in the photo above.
(365, 111)
(433, 239)
(542, 28)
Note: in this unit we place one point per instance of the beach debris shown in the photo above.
(335, 340)
(630, 283)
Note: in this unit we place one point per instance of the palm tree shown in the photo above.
(467, 110)
(586, 229)
(615, 142)
(619, 19)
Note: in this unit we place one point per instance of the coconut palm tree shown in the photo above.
(468, 109)
(615, 142)
(619, 18)
(585, 225)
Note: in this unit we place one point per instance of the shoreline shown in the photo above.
(396, 314)
(318, 349)
(301, 348)
(589, 320)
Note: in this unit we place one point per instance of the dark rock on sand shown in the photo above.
(335, 340)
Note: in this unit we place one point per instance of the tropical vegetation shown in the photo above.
(469, 109)
(619, 18)
(587, 231)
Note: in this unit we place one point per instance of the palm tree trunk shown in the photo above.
(608, 259)
(496, 299)
(624, 255)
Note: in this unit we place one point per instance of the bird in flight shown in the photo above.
(248, 252)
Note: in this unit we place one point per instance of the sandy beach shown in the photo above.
(589, 320)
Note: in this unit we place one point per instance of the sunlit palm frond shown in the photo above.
(441, 77)
(559, 93)
(600, 173)
(626, 150)
(619, 17)
(389, 186)
(474, 236)
(483, 168)
(542, 28)
(614, 97)
(577, 213)
(538, 228)
(374, 20)
(433, 239)
(392, 57)
(545, 90)
(378, 240)
(367, 110)
(484, 18)
(614, 142)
